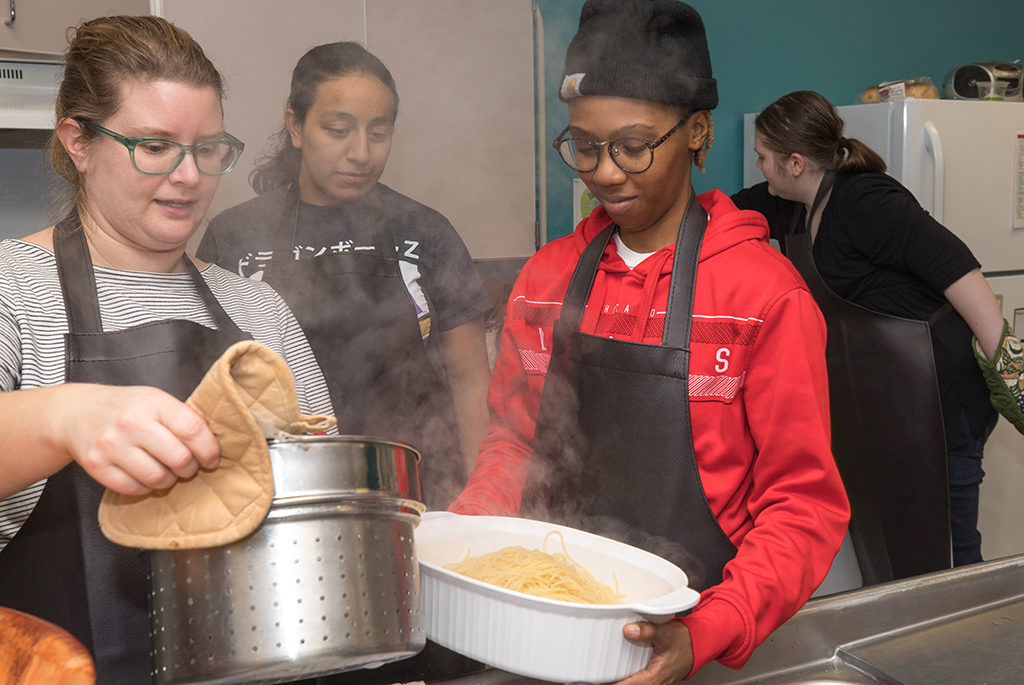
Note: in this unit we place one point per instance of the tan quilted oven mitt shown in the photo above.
(247, 396)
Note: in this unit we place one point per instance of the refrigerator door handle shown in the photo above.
(933, 144)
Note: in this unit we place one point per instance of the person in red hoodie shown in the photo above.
(661, 376)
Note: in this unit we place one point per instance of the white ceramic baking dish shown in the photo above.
(532, 636)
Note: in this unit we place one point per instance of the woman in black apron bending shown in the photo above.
(661, 376)
(106, 326)
(383, 286)
(873, 245)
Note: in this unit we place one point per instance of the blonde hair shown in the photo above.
(105, 53)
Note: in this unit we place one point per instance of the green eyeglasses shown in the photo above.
(158, 157)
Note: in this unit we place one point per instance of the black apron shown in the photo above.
(60, 566)
(613, 451)
(361, 323)
(887, 430)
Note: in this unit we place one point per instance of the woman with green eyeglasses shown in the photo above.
(661, 376)
(107, 325)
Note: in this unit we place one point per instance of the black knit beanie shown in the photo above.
(653, 50)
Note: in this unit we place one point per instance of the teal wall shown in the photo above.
(762, 49)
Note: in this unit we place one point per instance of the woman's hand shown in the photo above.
(672, 659)
(133, 439)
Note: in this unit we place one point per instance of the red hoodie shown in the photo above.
(758, 407)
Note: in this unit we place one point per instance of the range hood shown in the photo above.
(27, 93)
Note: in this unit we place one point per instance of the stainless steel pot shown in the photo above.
(328, 582)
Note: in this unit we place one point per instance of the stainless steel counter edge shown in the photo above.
(817, 633)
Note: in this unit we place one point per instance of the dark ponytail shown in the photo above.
(858, 158)
(805, 122)
(334, 60)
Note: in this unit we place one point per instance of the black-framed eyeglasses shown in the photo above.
(632, 155)
(159, 157)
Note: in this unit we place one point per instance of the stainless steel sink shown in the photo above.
(961, 626)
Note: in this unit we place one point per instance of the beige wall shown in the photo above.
(39, 25)
(464, 143)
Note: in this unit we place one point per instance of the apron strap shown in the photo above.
(940, 313)
(575, 300)
(285, 240)
(224, 322)
(71, 252)
(824, 186)
(679, 312)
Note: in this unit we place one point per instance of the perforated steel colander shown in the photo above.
(328, 582)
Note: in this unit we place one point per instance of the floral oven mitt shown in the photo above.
(1004, 376)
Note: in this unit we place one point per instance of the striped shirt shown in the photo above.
(33, 324)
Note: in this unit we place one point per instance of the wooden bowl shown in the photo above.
(34, 652)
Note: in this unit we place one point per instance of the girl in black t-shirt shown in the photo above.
(384, 287)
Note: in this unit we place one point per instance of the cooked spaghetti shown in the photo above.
(536, 572)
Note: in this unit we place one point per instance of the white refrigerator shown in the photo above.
(964, 162)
